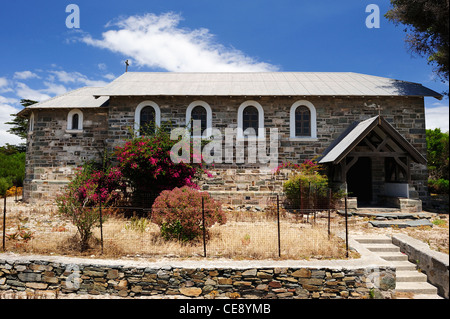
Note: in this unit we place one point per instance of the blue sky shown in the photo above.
(42, 58)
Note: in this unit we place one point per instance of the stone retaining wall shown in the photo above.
(39, 276)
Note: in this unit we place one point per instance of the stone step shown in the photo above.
(416, 287)
(372, 240)
(403, 223)
(382, 247)
(404, 265)
(392, 256)
(410, 276)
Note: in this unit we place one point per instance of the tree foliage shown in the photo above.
(12, 168)
(20, 124)
(437, 154)
(427, 27)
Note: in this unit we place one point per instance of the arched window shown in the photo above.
(199, 114)
(250, 119)
(147, 116)
(303, 119)
(75, 123)
(75, 120)
(200, 111)
(31, 123)
(250, 116)
(147, 120)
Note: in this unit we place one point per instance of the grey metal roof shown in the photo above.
(346, 140)
(357, 132)
(80, 98)
(260, 84)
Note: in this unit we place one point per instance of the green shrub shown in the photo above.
(178, 212)
(305, 180)
(12, 167)
(5, 184)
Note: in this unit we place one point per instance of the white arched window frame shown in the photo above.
(208, 116)
(137, 115)
(31, 123)
(240, 120)
(313, 120)
(70, 116)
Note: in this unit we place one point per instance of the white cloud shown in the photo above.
(5, 116)
(437, 117)
(25, 75)
(25, 92)
(3, 82)
(158, 42)
(49, 84)
(77, 78)
(109, 76)
(102, 66)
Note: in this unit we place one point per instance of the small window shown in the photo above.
(250, 119)
(147, 120)
(31, 123)
(200, 111)
(199, 114)
(302, 121)
(146, 117)
(75, 120)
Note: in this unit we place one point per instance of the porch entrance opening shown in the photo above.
(359, 181)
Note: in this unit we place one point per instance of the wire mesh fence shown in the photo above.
(285, 228)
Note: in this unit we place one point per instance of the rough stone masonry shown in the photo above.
(37, 276)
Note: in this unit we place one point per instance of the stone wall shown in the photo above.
(37, 276)
(52, 152)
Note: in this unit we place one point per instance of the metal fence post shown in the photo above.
(204, 229)
(101, 225)
(4, 224)
(278, 223)
(329, 212)
(346, 227)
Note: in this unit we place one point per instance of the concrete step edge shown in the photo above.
(404, 266)
(410, 276)
(382, 248)
(416, 287)
(393, 256)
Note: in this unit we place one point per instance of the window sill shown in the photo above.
(74, 131)
(303, 139)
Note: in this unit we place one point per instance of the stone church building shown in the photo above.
(368, 131)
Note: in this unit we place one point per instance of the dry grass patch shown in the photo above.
(247, 235)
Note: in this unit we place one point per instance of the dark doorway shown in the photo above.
(359, 181)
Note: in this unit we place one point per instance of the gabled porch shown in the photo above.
(372, 162)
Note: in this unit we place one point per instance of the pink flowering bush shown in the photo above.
(145, 162)
(83, 195)
(178, 212)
